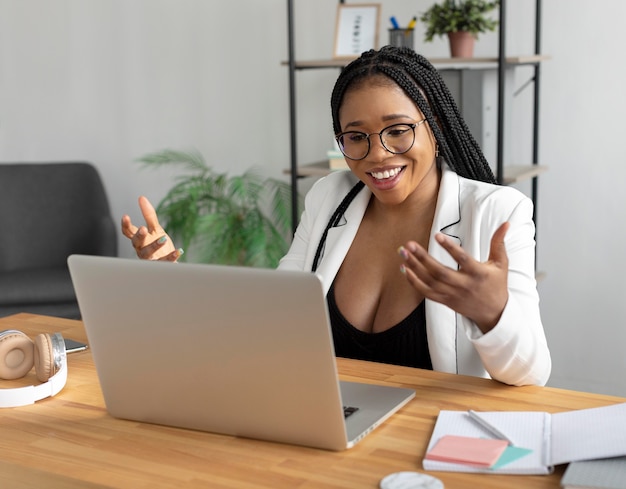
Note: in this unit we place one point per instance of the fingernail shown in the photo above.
(180, 251)
(403, 269)
(403, 252)
(162, 240)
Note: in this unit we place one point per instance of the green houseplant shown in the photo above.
(461, 21)
(231, 220)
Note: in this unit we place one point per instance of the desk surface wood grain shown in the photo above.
(70, 441)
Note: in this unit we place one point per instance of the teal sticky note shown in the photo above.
(510, 454)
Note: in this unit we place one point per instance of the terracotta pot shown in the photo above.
(461, 44)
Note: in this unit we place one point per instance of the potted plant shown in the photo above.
(461, 21)
(231, 220)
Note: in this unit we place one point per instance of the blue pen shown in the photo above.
(394, 22)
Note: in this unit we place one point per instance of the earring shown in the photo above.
(436, 151)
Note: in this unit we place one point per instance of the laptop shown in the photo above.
(232, 350)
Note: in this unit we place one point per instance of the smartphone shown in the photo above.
(72, 346)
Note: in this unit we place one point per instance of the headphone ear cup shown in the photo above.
(44, 357)
(16, 355)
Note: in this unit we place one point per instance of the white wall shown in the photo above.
(110, 80)
(583, 203)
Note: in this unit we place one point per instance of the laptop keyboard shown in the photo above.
(349, 411)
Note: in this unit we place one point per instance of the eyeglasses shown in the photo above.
(397, 139)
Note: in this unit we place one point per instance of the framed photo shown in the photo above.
(357, 29)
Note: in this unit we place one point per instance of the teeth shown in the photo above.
(381, 175)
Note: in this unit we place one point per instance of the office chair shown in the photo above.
(49, 211)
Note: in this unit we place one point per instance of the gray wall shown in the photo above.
(110, 80)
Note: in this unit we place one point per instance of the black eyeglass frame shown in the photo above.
(413, 125)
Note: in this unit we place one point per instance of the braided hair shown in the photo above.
(334, 221)
(423, 84)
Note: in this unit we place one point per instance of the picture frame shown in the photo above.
(357, 29)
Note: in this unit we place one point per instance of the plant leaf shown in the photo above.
(232, 220)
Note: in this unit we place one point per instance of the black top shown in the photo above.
(403, 344)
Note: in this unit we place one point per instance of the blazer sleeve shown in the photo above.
(515, 351)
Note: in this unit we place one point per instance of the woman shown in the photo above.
(425, 261)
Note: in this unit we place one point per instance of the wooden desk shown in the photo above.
(70, 441)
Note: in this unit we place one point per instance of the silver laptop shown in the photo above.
(233, 350)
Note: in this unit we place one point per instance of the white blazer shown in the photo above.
(515, 351)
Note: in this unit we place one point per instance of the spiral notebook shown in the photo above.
(554, 439)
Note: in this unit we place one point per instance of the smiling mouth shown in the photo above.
(384, 175)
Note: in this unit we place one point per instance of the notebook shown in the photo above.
(608, 473)
(231, 350)
(554, 439)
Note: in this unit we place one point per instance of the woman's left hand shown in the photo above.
(476, 290)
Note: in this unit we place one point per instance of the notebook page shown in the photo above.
(527, 429)
(587, 434)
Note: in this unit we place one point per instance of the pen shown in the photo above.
(488, 426)
(394, 22)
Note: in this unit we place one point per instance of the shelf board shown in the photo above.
(442, 63)
(317, 169)
(512, 173)
(510, 60)
(319, 63)
(519, 173)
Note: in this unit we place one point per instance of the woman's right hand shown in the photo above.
(151, 242)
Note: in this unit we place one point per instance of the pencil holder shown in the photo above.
(401, 38)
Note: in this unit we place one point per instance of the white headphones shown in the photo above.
(18, 354)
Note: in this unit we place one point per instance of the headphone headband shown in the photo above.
(23, 396)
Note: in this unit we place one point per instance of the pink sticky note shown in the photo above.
(466, 450)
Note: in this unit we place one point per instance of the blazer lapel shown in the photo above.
(442, 340)
(341, 237)
(448, 210)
